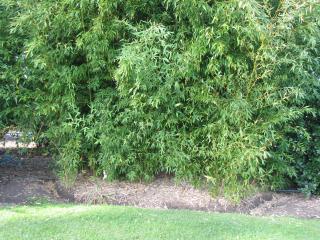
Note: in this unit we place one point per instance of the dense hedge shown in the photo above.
(11, 68)
(226, 91)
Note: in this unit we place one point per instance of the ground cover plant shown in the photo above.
(110, 222)
(222, 91)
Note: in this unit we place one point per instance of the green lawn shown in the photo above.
(48, 222)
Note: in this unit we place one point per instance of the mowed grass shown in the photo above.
(48, 222)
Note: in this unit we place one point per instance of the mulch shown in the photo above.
(33, 180)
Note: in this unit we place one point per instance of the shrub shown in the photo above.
(11, 69)
(220, 90)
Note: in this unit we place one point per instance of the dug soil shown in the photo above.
(29, 179)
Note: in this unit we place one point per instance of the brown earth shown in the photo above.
(165, 193)
(29, 179)
(26, 180)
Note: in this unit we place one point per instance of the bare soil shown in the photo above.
(25, 179)
(30, 179)
(294, 205)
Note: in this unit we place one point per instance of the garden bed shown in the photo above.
(31, 180)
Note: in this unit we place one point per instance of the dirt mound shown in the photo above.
(161, 193)
(165, 193)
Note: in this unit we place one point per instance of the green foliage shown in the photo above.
(12, 69)
(226, 91)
